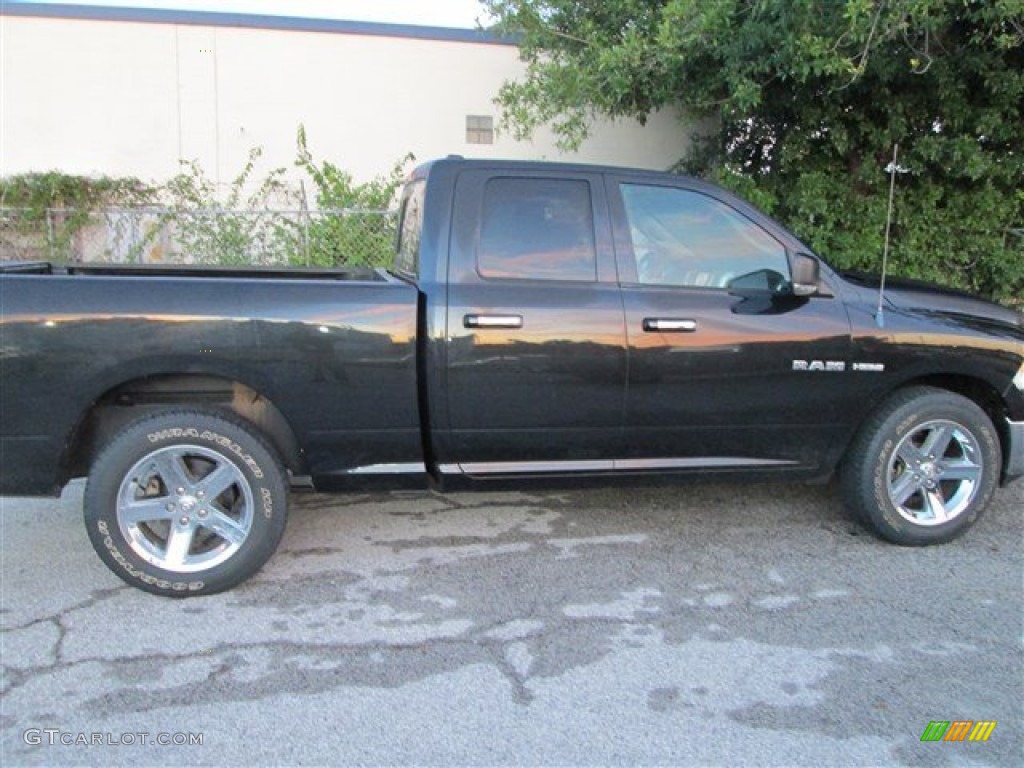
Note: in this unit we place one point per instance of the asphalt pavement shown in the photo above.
(706, 624)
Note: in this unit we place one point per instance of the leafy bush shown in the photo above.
(238, 231)
(255, 220)
(51, 208)
(36, 192)
(350, 230)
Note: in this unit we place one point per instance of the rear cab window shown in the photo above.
(410, 229)
(537, 229)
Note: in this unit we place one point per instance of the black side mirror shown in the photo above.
(763, 282)
(806, 274)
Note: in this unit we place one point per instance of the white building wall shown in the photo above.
(131, 98)
(84, 97)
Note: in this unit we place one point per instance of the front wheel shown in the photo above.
(186, 503)
(923, 468)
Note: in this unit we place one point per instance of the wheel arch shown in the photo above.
(123, 403)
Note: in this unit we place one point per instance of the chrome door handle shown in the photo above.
(493, 321)
(669, 325)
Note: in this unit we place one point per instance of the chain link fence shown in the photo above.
(215, 236)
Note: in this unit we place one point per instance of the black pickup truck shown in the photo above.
(539, 321)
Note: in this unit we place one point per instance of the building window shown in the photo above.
(479, 129)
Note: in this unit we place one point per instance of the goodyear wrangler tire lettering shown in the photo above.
(923, 467)
(186, 502)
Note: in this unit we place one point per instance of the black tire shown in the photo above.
(923, 467)
(186, 502)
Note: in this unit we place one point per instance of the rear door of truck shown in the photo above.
(536, 345)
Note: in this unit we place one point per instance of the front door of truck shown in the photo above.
(535, 345)
(723, 372)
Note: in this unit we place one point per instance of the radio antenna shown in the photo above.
(879, 313)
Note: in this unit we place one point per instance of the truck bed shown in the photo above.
(333, 350)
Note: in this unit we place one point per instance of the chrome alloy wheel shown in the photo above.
(935, 473)
(185, 508)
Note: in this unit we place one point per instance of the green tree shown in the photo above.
(806, 99)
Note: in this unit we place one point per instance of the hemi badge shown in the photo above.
(869, 367)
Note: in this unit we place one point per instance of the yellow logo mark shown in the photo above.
(982, 730)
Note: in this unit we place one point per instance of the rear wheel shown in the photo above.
(186, 503)
(923, 468)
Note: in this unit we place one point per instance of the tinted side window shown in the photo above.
(539, 229)
(681, 237)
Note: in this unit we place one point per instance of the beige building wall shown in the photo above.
(131, 98)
